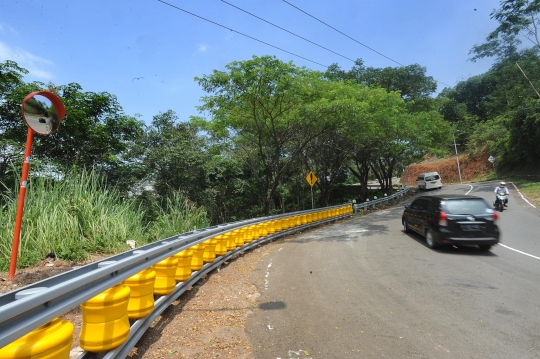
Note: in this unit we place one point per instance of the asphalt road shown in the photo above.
(363, 288)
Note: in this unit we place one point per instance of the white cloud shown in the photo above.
(33, 63)
(203, 48)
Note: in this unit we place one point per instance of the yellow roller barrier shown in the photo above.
(165, 272)
(255, 232)
(277, 225)
(183, 269)
(290, 222)
(303, 219)
(50, 341)
(248, 234)
(209, 253)
(262, 230)
(197, 260)
(221, 246)
(105, 320)
(270, 227)
(239, 238)
(229, 243)
(141, 298)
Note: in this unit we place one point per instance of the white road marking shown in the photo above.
(518, 191)
(299, 353)
(469, 190)
(280, 249)
(266, 283)
(515, 250)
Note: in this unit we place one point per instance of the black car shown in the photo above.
(452, 219)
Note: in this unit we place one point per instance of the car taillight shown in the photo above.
(443, 219)
(495, 216)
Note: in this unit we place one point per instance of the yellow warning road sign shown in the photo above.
(311, 178)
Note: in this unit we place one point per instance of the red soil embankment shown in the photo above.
(471, 168)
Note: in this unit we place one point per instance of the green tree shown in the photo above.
(517, 19)
(175, 158)
(271, 111)
(411, 81)
(326, 157)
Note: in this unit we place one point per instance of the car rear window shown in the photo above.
(432, 178)
(465, 206)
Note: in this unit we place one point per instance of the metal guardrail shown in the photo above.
(60, 294)
(373, 203)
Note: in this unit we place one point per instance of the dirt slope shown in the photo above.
(471, 168)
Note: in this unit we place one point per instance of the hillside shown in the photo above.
(471, 168)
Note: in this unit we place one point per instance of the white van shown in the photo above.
(429, 180)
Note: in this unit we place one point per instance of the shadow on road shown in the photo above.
(452, 249)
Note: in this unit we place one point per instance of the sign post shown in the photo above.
(311, 179)
(492, 160)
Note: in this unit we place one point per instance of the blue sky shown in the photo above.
(104, 45)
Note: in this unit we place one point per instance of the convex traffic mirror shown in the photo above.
(43, 112)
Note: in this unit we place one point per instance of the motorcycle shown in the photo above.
(500, 201)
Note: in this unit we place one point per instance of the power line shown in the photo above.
(333, 28)
(290, 32)
(238, 32)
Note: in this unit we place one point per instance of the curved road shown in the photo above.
(364, 289)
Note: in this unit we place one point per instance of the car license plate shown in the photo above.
(433, 182)
(472, 227)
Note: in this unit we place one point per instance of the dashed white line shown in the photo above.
(266, 283)
(518, 191)
(515, 250)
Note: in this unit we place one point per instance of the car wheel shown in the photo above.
(430, 241)
(485, 247)
(406, 228)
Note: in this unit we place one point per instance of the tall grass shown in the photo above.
(177, 216)
(79, 216)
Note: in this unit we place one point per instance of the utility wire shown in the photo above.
(238, 32)
(290, 32)
(333, 28)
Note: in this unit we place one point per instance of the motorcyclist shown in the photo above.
(501, 187)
